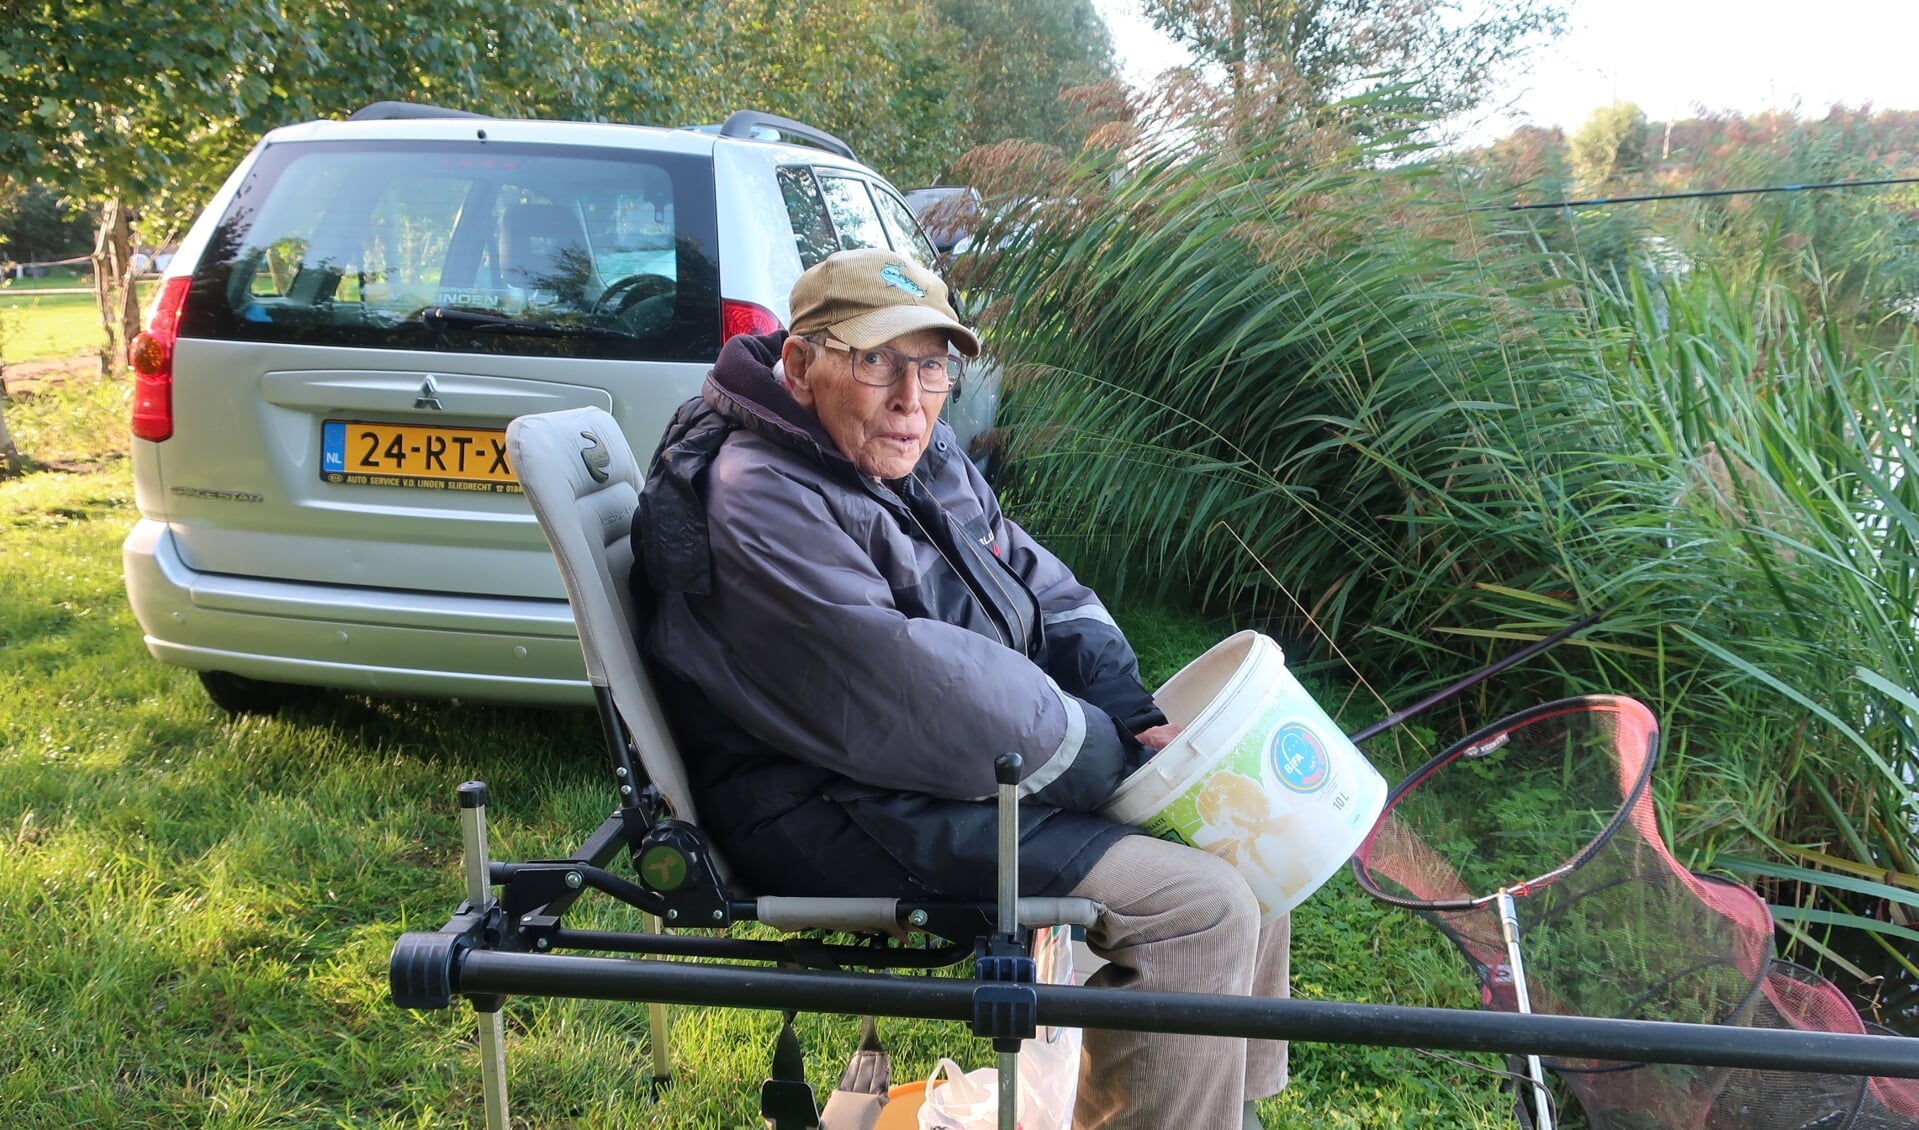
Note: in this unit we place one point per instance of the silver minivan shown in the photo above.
(334, 353)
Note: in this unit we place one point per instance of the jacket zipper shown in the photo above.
(961, 574)
(992, 567)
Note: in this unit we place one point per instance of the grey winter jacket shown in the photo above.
(845, 658)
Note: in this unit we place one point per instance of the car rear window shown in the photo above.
(476, 247)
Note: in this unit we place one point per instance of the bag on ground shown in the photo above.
(957, 1099)
(856, 1103)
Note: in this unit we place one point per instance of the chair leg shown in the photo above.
(493, 1068)
(1006, 770)
(479, 887)
(659, 1033)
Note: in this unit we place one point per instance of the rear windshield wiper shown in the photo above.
(445, 318)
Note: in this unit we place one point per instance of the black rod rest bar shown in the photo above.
(447, 964)
(740, 949)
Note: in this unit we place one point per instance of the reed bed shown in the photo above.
(1315, 385)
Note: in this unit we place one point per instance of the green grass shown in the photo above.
(39, 327)
(68, 426)
(36, 327)
(201, 907)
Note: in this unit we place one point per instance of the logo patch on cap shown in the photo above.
(894, 275)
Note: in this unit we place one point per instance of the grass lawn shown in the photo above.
(201, 907)
(35, 326)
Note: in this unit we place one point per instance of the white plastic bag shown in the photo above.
(1049, 1062)
(963, 1100)
(1048, 1065)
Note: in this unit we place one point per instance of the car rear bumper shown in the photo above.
(376, 640)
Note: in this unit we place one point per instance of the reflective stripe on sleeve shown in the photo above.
(1069, 746)
(1083, 612)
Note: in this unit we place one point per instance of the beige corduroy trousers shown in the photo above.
(1178, 920)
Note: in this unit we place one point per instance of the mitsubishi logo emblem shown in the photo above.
(429, 396)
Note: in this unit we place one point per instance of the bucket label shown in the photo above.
(1299, 758)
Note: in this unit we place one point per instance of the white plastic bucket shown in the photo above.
(1259, 776)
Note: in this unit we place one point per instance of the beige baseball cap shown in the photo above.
(870, 296)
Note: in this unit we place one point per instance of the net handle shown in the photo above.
(1474, 679)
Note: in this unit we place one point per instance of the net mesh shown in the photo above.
(1553, 804)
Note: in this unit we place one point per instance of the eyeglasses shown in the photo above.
(881, 367)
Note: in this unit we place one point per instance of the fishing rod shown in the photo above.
(1698, 194)
(1474, 679)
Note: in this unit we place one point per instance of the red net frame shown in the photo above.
(1553, 804)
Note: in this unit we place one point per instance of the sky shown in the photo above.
(1670, 57)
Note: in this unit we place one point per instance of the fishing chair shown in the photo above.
(582, 482)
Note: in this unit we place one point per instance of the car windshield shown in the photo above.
(349, 243)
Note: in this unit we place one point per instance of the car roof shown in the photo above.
(613, 135)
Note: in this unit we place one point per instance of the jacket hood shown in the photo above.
(741, 387)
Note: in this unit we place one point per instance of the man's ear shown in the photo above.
(796, 355)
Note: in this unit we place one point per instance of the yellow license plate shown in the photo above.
(410, 455)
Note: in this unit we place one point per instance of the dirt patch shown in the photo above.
(24, 378)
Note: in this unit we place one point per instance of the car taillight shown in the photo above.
(738, 317)
(151, 355)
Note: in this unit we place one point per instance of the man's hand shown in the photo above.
(1156, 737)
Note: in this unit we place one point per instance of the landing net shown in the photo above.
(1553, 805)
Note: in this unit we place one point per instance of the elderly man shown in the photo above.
(847, 631)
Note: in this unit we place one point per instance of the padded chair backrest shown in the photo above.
(543, 247)
(583, 483)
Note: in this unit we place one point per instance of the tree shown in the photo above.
(877, 73)
(910, 86)
(152, 103)
(1444, 54)
(10, 195)
(35, 225)
(9, 454)
(1611, 144)
(1015, 56)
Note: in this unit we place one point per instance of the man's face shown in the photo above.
(884, 431)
